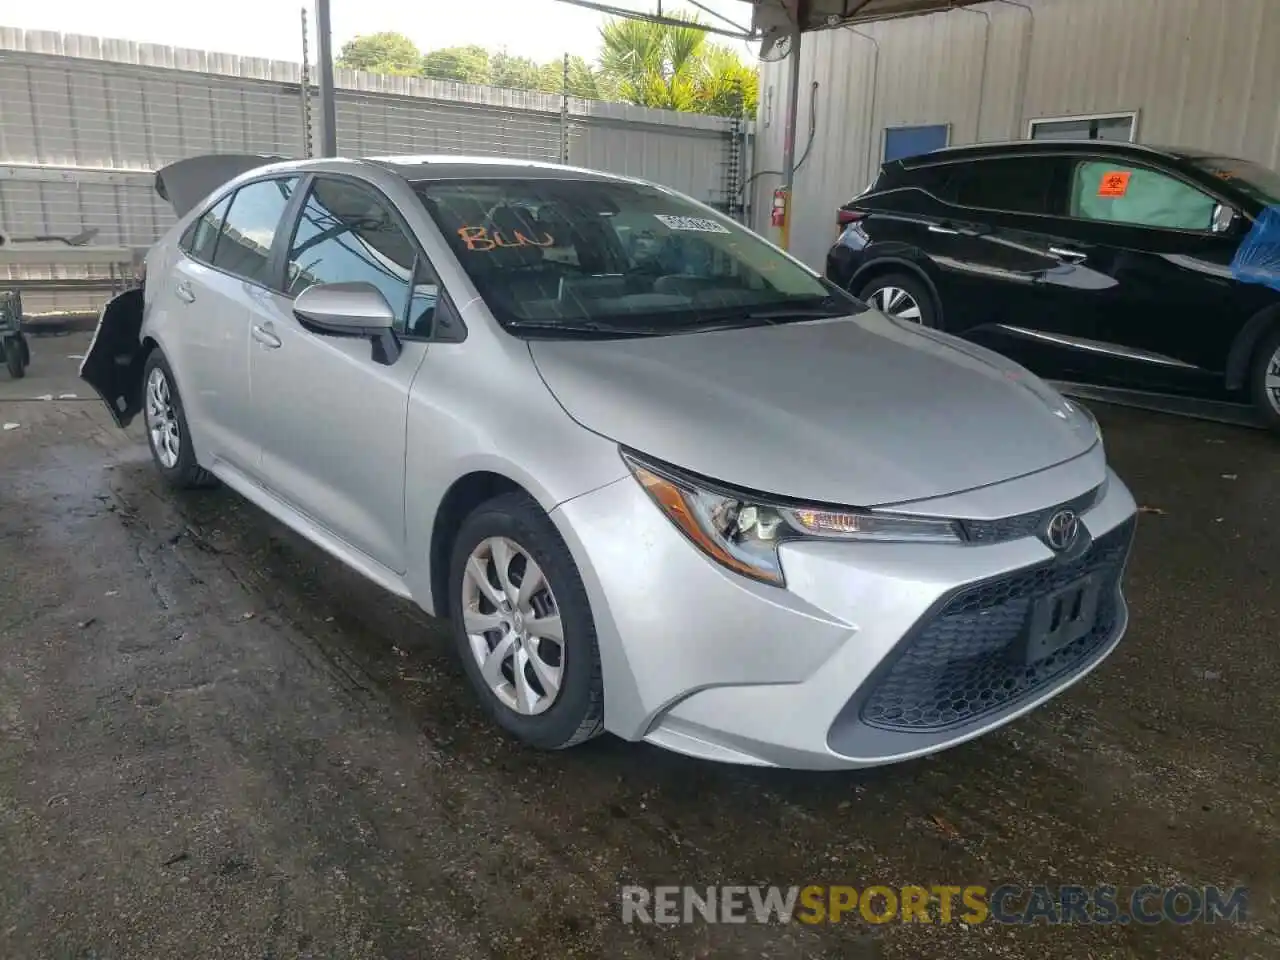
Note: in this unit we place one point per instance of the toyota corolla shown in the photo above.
(665, 480)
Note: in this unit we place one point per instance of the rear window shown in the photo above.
(244, 246)
(548, 250)
(1011, 184)
(201, 236)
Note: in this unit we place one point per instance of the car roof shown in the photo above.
(431, 167)
(978, 151)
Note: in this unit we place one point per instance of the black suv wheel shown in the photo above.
(902, 297)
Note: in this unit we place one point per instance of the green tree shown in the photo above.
(386, 52)
(726, 86)
(515, 73)
(584, 80)
(465, 64)
(675, 68)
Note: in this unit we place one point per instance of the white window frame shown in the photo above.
(1130, 115)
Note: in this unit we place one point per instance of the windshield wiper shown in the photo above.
(581, 326)
(827, 307)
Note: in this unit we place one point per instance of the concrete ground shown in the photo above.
(216, 742)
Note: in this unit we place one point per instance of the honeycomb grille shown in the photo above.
(967, 662)
(1024, 524)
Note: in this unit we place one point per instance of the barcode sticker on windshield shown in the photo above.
(694, 224)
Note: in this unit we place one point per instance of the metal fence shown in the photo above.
(85, 121)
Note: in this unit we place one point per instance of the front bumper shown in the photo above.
(874, 653)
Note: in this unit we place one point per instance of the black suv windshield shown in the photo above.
(595, 257)
(1252, 179)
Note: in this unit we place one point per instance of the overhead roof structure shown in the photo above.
(760, 18)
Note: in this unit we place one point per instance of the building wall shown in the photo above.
(1200, 73)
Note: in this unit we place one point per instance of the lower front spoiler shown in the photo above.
(681, 729)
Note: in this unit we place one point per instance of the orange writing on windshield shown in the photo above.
(480, 238)
(1114, 184)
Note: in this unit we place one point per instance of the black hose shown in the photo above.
(813, 129)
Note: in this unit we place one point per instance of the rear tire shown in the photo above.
(168, 435)
(1264, 379)
(15, 358)
(490, 611)
(903, 297)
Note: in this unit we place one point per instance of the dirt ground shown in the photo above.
(216, 742)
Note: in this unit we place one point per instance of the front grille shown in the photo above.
(965, 662)
(1024, 524)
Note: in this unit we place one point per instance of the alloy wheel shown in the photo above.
(1271, 381)
(513, 626)
(162, 420)
(897, 303)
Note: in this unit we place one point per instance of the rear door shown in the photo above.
(331, 419)
(211, 292)
(994, 258)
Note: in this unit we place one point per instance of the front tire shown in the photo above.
(522, 625)
(1264, 379)
(902, 297)
(168, 435)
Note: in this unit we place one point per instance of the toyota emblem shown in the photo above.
(1062, 529)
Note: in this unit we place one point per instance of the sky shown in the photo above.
(541, 29)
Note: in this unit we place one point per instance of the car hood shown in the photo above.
(862, 410)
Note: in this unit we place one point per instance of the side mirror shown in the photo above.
(350, 310)
(1223, 218)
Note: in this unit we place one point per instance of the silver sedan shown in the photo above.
(665, 480)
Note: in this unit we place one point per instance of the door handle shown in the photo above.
(263, 334)
(1073, 256)
(949, 231)
(184, 292)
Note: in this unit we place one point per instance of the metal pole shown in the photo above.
(564, 112)
(324, 54)
(306, 90)
(789, 141)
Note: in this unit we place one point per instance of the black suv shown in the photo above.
(1096, 262)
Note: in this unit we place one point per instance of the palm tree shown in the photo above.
(654, 65)
(674, 68)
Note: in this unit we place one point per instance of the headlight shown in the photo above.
(742, 531)
(1087, 414)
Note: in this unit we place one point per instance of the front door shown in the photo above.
(331, 419)
(1163, 308)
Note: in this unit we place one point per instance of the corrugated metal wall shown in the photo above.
(1200, 73)
(84, 120)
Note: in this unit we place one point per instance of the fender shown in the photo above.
(1245, 342)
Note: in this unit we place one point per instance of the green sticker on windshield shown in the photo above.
(691, 224)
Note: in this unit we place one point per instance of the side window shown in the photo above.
(201, 236)
(244, 245)
(1122, 193)
(1015, 185)
(346, 233)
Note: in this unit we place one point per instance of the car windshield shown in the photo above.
(570, 257)
(1253, 179)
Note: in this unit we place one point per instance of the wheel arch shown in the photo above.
(1246, 343)
(884, 266)
(462, 497)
